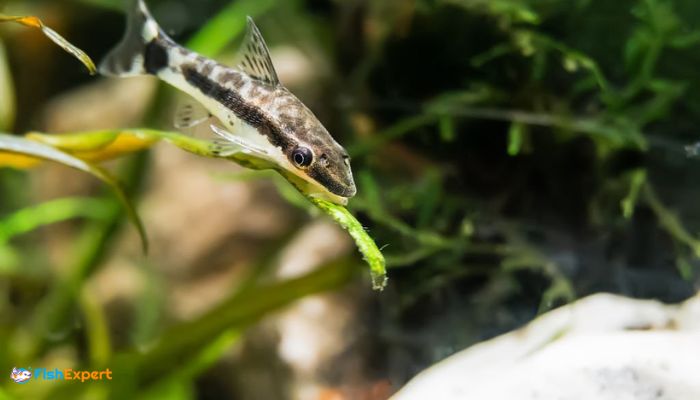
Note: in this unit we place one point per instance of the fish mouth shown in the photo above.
(327, 189)
(344, 187)
(343, 191)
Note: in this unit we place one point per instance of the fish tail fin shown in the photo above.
(144, 48)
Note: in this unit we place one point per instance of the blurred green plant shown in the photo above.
(7, 95)
(23, 148)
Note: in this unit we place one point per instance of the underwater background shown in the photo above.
(511, 156)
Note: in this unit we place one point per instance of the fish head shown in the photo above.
(321, 162)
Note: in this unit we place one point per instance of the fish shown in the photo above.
(253, 112)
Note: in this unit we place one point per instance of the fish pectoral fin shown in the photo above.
(231, 144)
(190, 114)
(253, 57)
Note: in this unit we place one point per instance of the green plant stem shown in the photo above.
(370, 252)
(669, 221)
(97, 330)
(185, 340)
(52, 315)
(30, 218)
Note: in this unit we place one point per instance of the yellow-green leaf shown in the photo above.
(34, 22)
(7, 92)
(25, 147)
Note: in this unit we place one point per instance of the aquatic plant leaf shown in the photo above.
(34, 22)
(30, 218)
(103, 145)
(515, 138)
(637, 180)
(227, 25)
(7, 92)
(97, 145)
(25, 147)
(72, 142)
(372, 255)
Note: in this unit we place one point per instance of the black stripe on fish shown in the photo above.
(155, 57)
(251, 115)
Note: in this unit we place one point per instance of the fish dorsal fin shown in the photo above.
(254, 57)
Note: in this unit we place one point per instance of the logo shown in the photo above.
(20, 375)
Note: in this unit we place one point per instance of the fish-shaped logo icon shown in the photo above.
(20, 375)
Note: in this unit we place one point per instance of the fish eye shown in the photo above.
(302, 156)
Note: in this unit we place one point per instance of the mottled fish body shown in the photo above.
(257, 114)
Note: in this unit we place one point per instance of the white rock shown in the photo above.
(600, 347)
